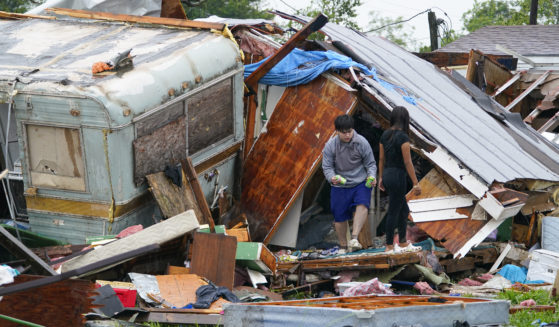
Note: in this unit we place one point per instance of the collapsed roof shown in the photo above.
(463, 132)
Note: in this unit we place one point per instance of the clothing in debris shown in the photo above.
(208, 294)
(394, 162)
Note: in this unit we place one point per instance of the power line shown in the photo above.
(399, 22)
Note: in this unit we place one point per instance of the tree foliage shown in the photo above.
(508, 12)
(226, 8)
(342, 12)
(388, 28)
(18, 6)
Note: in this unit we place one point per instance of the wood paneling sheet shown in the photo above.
(210, 116)
(164, 146)
(454, 233)
(213, 257)
(284, 156)
(59, 304)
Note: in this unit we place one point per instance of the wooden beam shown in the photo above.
(190, 173)
(303, 33)
(12, 15)
(252, 80)
(522, 95)
(136, 19)
(17, 248)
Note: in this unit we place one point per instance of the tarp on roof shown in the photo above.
(301, 67)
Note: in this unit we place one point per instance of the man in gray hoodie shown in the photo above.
(350, 168)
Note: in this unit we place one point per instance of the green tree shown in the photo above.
(390, 29)
(508, 12)
(228, 8)
(19, 6)
(342, 12)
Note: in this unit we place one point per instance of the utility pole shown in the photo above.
(433, 30)
(534, 12)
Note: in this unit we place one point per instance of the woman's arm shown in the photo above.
(380, 166)
(409, 167)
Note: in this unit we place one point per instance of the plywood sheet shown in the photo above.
(172, 199)
(453, 234)
(287, 153)
(164, 146)
(213, 257)
(180, 290)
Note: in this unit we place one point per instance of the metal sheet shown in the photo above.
(448, 115)
(285, 156)
(475, 313)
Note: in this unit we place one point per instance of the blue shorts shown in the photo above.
(344, 200)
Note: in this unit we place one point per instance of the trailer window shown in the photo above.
(55, 157)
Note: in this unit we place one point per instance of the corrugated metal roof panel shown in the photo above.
(449, 115)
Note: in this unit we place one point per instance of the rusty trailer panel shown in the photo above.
(286, 155)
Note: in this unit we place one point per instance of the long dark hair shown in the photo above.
(400, 119)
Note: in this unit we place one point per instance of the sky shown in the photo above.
(395, 8)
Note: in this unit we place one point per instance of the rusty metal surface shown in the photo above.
(288, 152)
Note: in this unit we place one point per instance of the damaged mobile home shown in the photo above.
(87, 141)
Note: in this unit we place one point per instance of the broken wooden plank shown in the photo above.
(159, 233)
(527, 91)
(192, 177)
(436, 215)
(500, 259)
(441, 202)
(13, 15)
(213, 257)
(136, 19)
(275, 172)
(169, 196)
(452, 234)
(17, 248)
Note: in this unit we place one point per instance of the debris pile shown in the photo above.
(160, 208)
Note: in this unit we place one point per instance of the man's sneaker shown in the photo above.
(354, 245)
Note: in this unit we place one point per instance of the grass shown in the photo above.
(525, 318)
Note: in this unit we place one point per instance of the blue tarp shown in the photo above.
(301, 67)
(517, 275)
